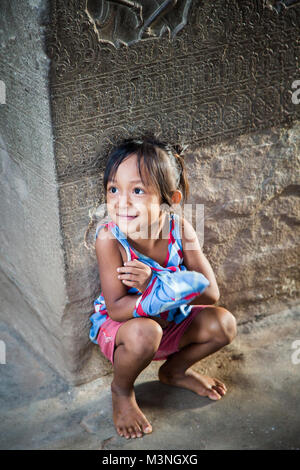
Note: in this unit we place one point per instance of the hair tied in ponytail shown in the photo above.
(183, 179)
(181, 149)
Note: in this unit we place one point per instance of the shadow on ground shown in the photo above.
(261, 409)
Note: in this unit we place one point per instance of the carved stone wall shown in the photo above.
(31, 254)
(250, 191)
(228, 72)
(214, 75)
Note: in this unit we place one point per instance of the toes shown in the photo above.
(138, 431)
(220, 384)
(148, 429)
(132, 432)
(125, 434)
(219, 389)
(213, 394)
(145, 426)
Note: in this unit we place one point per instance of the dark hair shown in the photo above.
(164, 167)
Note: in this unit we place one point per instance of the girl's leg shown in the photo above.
(137, 341)
(211, 329)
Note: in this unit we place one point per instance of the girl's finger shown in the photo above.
(133, 262)
(130, 283)
(128, 277)
(129, 269)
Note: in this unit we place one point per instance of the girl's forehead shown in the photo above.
(129, 178)
(129, 170)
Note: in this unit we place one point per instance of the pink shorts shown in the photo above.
(169, 342)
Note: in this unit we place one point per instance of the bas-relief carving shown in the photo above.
(282, 5)
(127, 22)
(216, 79)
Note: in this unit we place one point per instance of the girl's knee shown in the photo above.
(225, 326)
(144, 336)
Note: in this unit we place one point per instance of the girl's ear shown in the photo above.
(176, 196)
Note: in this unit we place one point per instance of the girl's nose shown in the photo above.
(123, 201)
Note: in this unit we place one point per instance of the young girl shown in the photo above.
(142, 179)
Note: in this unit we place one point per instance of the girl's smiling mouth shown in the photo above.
(128, 217)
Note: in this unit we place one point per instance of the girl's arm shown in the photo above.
(195, 260)
(119, 305)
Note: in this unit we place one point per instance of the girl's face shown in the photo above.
(132, 205)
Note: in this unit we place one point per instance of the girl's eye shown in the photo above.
(111, 188)
(139, 189)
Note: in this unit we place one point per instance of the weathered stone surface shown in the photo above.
(223, 87)
(260, 410)
(250, 189)
(217, 80)
(30, 237)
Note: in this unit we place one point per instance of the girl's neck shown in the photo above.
(157, 231)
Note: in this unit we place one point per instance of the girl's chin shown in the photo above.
(127, 224)
(125, 220)
(132, 228)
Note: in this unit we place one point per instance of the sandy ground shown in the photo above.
(261, 409)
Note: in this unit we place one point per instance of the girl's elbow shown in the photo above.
(213, 294)
(216, 298)
(111, 312)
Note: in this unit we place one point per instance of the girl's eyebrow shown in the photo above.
(132, 181)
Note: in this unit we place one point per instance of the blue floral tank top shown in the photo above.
(169, 289)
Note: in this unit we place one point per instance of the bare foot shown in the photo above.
(129, 421)
(200, 384)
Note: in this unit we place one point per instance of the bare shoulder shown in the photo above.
(106, 241)
(103, 233)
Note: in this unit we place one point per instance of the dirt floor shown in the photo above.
(261, 409)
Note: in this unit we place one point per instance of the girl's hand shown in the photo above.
(135, 274)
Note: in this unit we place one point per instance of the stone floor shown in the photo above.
(260, 411)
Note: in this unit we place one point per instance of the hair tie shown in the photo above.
(180, 149)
